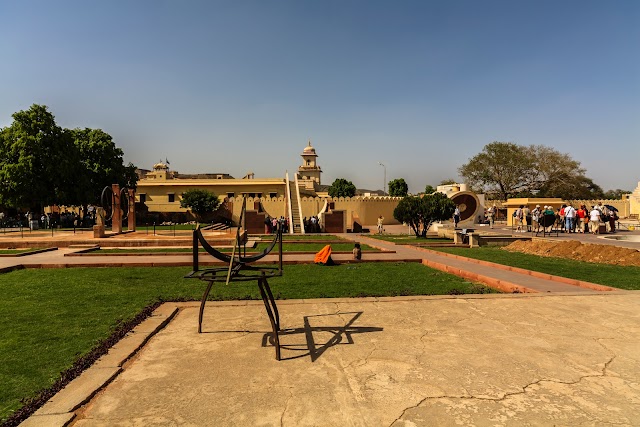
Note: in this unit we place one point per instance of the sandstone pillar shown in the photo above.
(116, 218)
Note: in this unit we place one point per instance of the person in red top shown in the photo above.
(582, 215)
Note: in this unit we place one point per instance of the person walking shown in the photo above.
(456, 216)
(380, 224)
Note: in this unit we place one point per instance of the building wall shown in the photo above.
(157, 191)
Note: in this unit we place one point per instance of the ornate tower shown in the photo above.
(309, 171)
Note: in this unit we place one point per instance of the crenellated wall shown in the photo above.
(367, 208)
(621, 205)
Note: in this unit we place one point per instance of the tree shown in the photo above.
(342, 188)
(505, 169)
(429, 189)
(501, 168)
(615, 194)
(201, 202)
(421, 212)
(43, 164)
(36, 161)
(448, 181)
(398, 188)
(101, 162)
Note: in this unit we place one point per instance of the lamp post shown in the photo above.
(384, 183)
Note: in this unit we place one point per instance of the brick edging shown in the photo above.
(565, 280)
(492, 282)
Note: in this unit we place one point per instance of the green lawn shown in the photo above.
(286, 247)
(307, 237)
(623, 277)
(408, 239)
(51, 317)
(14, 251)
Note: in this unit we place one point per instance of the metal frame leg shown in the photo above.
(202, 304)
(272, 311)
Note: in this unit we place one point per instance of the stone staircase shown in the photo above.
(295, 208)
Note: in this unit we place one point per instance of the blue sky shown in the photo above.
(421, 86)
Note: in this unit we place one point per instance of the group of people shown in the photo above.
(566, 219)
(272, 224)
(585, 220)
(312, 225)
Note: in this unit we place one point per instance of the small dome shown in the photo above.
(309, 149)
(160, 166)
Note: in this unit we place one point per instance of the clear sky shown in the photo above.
(421, 86)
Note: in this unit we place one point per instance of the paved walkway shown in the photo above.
(485, 360)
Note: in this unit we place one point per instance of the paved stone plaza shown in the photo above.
(489, 360)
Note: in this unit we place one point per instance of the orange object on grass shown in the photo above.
(324, 256)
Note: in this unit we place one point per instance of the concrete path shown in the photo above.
(498, 360)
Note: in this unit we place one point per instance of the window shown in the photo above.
(258, 195)
(308, 162)
(231, 195)
(172, 197)
(273, 195)
(143, 197)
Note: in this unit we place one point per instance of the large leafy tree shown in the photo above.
(428, 189)
(505, 169)
(101, 164)
(36, 161)
(398, 188)
(421, 212)
(342, 188)
(201, 202)
(42, 164)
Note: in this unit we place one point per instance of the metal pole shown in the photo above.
(384, 182)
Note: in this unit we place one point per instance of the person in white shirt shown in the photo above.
(594, 220)
(570, 218)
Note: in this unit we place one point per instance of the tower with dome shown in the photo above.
(309, 172)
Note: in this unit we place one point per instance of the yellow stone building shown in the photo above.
(161, 189)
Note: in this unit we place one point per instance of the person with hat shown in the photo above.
(535, 217)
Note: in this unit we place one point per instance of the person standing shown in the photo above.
(594, 220)
(535, 217)
(581, 219)
(526, 218)
(380, 224)
(492, 215)
(570, 218)
(517, 216)
(456, 216)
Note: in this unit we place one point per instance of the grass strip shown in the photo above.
(14, 251)
(408, 239)
(617, 276)
(50, 318)
(297, 247)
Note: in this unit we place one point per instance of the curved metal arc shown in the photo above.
(106, 201)
(240, 259)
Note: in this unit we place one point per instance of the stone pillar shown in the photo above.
(116, 218)
(131, 225)
(98, 229)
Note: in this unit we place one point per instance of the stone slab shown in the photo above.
(488, 360)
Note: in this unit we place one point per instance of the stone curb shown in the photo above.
(59, 410)
(501, 285)
(565, 280)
